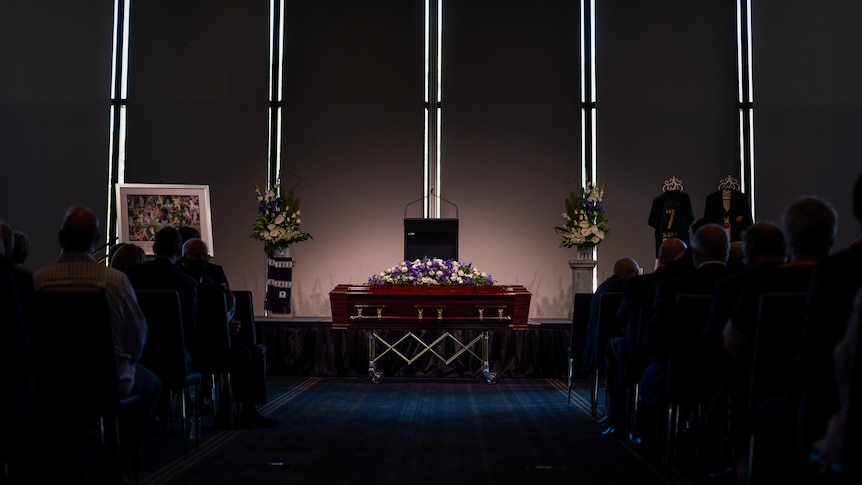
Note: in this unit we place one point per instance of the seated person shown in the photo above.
(247, 365)
(163, 273)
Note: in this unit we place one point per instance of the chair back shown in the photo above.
(578, 332)
(609, 324)
(688, 374)
(165, 351)
(212, 353)
(776, 343)
(79, 348)
(245, 314)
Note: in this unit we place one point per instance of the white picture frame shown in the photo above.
(143, 209)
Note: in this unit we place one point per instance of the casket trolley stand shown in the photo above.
(474, 309)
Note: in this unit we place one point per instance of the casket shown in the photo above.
(430, 306)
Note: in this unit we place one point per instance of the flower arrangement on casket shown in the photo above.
(432, 271)
(586, 223)
(277, 222)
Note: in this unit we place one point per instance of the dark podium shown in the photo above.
(414, 308)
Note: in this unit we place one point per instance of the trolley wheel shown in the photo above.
(375, 375)
(490, 377)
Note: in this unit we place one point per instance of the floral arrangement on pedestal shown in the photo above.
(585, 222)
(277, 222)
(432, 271)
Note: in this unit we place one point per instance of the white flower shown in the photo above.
(585, 223)
(277, 222)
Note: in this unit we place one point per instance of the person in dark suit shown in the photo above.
(637, 299)
(729, 208)
(163, 273)
(710, 248)
(834, 282)
(605, 357)
(247, 365)
(764, 246)
(624, 268)
(76, 268)
(214, 271)
(810, 226)
(17, 370)
(832, 449)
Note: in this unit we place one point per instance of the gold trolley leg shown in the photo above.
(375, 375)
(490, 377)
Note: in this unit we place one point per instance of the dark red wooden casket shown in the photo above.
(408, 306)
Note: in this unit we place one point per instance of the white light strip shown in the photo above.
(426, 185)
(593, 49)
(124, 80)
(439, 79)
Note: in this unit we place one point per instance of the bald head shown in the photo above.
(195, 249)
(671, 248)
(710, 243)
(79, 229)
(626, 268)
(764, 242)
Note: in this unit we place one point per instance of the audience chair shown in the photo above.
(245, 314)
(212, 355)
(633, 389)
(779, 323)
(578, 333)
(609, 327)
(687, 372)
(80, 359)
(164, 354)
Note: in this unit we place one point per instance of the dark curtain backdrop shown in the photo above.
(808, 106)
(667, 106)
(353, 128)
(353, 122)
(312, 349)
(511, 138)
(198, 88)
(55, 88)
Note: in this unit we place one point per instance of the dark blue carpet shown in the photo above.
(407, 431)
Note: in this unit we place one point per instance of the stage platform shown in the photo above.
(300, 346)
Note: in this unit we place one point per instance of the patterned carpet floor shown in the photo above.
(407, 431)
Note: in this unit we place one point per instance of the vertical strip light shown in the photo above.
(276, 89)
(588, 95)
(117, 115)
(588, 90)
(433, 105)
(745, 91)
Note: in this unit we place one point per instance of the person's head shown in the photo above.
(763, 242)
(195, 257)
(167, 243)
(810, 225)
(736, 255)
(671, 248)
(710, 243)
(697, 224)
(626, 268)
(79, 230)
(21, 248)
(189, 232)
(127, 255)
